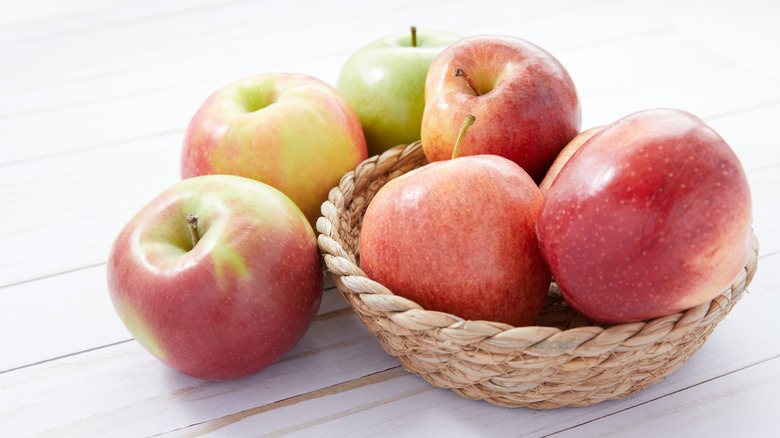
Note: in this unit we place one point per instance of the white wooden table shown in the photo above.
(94, 99)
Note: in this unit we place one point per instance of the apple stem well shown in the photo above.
(414, 36)
(192, 224)
(462, 134)
(460, 72)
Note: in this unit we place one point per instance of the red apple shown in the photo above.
(524, 101)
(291, 131)
(652, 216)
(458, 236)
(218, 276)
(564, 156)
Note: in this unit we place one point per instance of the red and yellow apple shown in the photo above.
(218, 276)
(291, 131)
(458, 236)
(650, 217)
(524, 101)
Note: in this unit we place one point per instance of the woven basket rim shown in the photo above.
(373, 301)
(345, 266)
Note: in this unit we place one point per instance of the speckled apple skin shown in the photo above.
(650, 217)
(458, 236)
(528, 109)
(563, 157)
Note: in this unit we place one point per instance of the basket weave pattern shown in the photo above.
(563, 360)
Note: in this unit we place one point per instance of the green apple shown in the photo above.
(289, 130)
(384, 83)
(218, 276)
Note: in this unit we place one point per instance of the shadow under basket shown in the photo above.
(563, 360)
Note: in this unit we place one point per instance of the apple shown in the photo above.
(524, 101)
(564, 155)
(384, 83)
(650, 217)
(289, 130)
(458, 236)
(218, 276)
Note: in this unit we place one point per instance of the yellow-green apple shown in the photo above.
(384, 83)
(458, 236)
(564, 155)
(523, 98)
(289, 130)
(650, 217)
(218, 276)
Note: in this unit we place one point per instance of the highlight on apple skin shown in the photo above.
(218, 276)
(650, 217)
(563, 157)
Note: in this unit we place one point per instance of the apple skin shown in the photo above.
(564, 156)
(289, 130)
(527, 107)
(234, 303)
(650, 217)
(458, 236)
(384, 83)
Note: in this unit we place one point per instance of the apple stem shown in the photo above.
(462, 134)
(460, 72)
(192, 223)
(414, 36)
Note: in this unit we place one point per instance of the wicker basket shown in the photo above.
(564, 360)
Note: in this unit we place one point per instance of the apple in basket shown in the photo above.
(523, 98)
(384, 83)
(650, 217)
(218, 276)
(458, 236)
(289, 130)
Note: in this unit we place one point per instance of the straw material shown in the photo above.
(563, 360)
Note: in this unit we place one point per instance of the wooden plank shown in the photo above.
(741, 403)
(323, 387)
(63, 212)
(748, 132)
(764, 187)
(406, 403)
(123, 388)
(164, 90)
(741, 32)
(47, 17)
(72, 313)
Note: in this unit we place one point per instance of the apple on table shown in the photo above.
(458, 236)
(289, 130)
(218, 276)
(384, 83)
(650, 217)
(524, 100)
